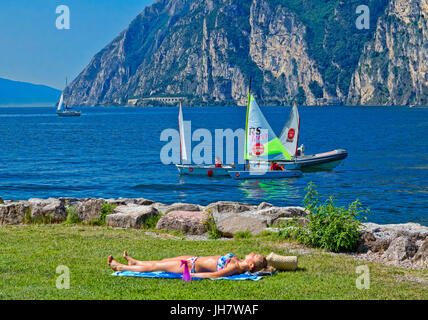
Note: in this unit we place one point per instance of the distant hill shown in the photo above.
(19, 93)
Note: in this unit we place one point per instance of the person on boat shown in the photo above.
(300, 151)
(218, 163)
(276, 167)
(200, 267)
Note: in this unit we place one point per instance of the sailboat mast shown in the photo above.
(179, 129)
(246, 124)
(66, 85)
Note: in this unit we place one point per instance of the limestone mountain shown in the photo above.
(393, 69)
(309, 51)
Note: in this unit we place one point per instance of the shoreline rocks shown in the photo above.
(397, 244)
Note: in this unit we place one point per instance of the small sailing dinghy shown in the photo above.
(196, 170)
(316, 162)
(263, 149)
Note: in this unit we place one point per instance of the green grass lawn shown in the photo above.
(29, 256)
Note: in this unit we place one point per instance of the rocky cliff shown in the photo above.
(205, 51)
(393, 69)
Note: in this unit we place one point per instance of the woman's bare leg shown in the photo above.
(134, 262)
(147, 266)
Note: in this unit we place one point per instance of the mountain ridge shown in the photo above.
(206, 51)
(23, 93)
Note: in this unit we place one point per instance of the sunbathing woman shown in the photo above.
(201, 267)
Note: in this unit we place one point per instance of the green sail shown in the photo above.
(261, 142)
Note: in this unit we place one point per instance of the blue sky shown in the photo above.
(32, 49)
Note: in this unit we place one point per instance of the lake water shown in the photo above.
(115, 152)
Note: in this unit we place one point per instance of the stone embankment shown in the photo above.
(398, 244)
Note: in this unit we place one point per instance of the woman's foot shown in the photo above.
(131, 261)
(113, 263)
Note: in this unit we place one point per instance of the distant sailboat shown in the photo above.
(64, 111)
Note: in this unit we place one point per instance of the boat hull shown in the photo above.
(323, 161)
(265, 165)
(260, 174)
(69, 114)
(210, 171)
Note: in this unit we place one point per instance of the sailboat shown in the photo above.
(64, 111)
(189, 169)
(316, 162)
(263, 147)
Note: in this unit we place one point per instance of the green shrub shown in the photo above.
(329, 227)
(243, 235)
(151, 222)
(72, 216)
(212, 231)
(106, 209)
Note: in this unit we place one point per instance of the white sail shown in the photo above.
(290, 133)
(61, 102)
(183, 149)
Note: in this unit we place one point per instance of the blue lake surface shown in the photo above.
(115, 152)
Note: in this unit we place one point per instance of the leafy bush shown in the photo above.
(212, 231)
(243, 235)
(72, 216)
(106, 209)
(151, 222)
(329, 227)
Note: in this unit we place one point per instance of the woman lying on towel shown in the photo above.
(201, 267)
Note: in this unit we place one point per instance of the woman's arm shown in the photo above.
(229, 271)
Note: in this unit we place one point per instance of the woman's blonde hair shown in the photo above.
(262, 266)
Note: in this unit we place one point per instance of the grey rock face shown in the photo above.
(14, 213)
(52, 210)
(400, 249)
(234, 224)
(206, 51)
(223, 207)
(130, 216)
(190, 222)
(421, 256)
(393, 67)
(89, 209)
(181, 207)
(398, 244)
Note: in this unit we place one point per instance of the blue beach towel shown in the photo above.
(170, 275)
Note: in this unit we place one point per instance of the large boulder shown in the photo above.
(190, 222)
(88, 209)
(130, 216)
(47, 210)
(125, 201)
(233, 224)
(222, 207)
(400, 249)
(378, 238)
(280, 212)
(421, 256)
(178, 207)
(14, 212)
